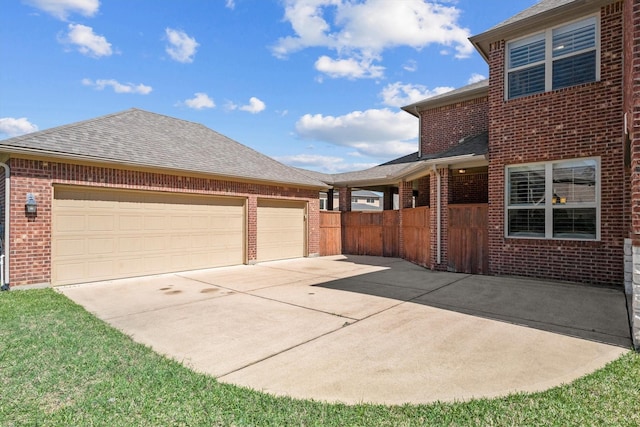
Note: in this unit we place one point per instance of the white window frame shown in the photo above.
(548, 205)
(549, 59)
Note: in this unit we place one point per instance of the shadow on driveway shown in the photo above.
(588, 312)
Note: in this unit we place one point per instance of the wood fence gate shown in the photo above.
(468, 243)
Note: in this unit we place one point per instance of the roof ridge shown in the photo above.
(67, 126)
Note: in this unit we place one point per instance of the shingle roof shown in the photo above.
(538, 8)
(470, 91)
(141, 138)
(390, 172)
(544, 14)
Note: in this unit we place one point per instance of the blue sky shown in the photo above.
(316, 84)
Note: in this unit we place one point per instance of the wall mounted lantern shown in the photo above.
(31, 207)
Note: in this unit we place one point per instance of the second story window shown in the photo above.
(557, 58)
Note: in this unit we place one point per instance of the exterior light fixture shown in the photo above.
(31, 207)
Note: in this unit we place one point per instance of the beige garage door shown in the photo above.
(281, 229)
(107, 234)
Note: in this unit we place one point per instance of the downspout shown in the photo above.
(419, 132)
(7, 221)
(438, 215)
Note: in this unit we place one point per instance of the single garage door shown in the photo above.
(281, 229)
(107, 234)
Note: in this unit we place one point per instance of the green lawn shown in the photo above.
(60, 366)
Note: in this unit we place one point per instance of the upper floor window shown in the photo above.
(554, 59)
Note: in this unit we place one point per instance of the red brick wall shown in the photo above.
(580, 121)
(424, 191)
(344, 199)
(469, 188)
(444, 127)
(444, 219)
(30, 245)
(632, 109)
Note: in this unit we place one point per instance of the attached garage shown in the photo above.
(281, 229)
(101, 234)
(137, 193)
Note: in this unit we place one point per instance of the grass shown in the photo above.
(61, 366)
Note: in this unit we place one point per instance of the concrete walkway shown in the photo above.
(367, 329)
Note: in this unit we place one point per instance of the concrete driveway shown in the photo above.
(367, 329)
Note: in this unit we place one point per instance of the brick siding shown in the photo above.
(579, 121)
(444, 127)
(30, 236)
(469, 188)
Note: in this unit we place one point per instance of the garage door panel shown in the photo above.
(156, 223)
(101, 246)
(69, 247)
(103, 234)
(69, 223)
(130, 245)
(130, 222)
(100, 269)
(71, 272)
(281, 229)
(101, 223)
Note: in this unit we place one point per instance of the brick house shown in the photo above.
(136, 193)
(546, 151)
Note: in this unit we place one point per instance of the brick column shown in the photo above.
(387, 199)
(344, 199)
(444, 219)
(405, 201)
(252, 229)
(424, 191)
(405, 193)
(632, 109)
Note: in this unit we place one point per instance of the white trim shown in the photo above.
(548, 206)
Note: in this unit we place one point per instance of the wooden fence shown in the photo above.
(330, 234)
(378, 234)
(370, 233)
(417, 235)
(468, 244)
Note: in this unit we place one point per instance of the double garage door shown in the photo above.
(101, 234)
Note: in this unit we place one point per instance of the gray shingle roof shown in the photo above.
(141, 138)
(391, 172)
(538, 8)
(470, 91)
(544, 14)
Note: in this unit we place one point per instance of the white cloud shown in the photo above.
(398, 94)
(86, 41)
(326, 164)
(376, 133)
(350, 68)
(411, 66)
(61, 9)
(362, 30)
(118, 87)
(14, 127)
(475, 78)
(230, 4)
(181, 48)
(255, 106)
(200, 101)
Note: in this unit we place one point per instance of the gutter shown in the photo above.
(212, 175)
(7, 223)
